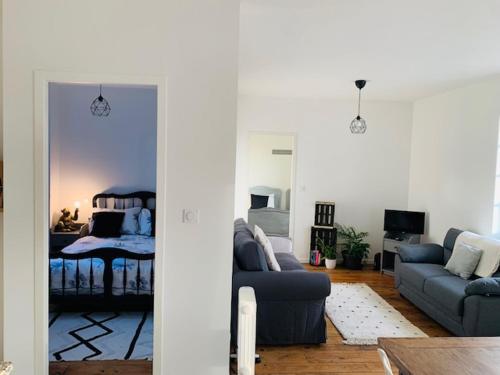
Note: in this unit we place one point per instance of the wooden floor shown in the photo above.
(334, 357)
(330, 358)
(101, 367)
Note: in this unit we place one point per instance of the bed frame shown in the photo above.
(107, 301)
(273, 221)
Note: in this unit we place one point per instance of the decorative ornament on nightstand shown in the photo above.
(100, 106)
(358, 125)
(66, 222)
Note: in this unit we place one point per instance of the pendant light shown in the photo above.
(358, 125)
(100, 106)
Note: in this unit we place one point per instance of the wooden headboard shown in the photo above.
(146, 199)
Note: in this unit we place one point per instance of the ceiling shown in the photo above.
(407, 49)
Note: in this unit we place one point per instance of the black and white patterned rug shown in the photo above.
(100, 336)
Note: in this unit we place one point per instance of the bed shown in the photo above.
(273, 221)
(104, 273)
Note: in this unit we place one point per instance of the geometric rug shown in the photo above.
(100, 336)
(362, 316)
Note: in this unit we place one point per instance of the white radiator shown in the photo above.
(247, 310)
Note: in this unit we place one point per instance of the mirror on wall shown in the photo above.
(269, 177)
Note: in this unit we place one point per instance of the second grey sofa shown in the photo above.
(464, 307)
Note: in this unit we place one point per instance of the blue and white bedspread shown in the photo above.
(134, 243)
(138, 277)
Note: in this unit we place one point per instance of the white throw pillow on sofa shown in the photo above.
(463, 261)
(261, 238)
(490, 259)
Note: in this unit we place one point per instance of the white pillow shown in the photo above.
(490, 258)
(463, 260)
(130, 224)
(270, 200)
(145, 223)
(261, 238)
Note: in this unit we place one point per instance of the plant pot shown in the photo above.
(353, 263)
(330, 263)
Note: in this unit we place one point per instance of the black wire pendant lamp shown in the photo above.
(358, 125)
(100, 106)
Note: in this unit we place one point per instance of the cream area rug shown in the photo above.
(361, 315)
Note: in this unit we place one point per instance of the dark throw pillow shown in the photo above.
(107, 224)
(249, 253)
(259, 201)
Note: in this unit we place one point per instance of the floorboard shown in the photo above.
(328, 359)
(334, 357)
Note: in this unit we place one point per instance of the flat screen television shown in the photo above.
(404, 221)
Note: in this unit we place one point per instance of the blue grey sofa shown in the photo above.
(464, 307)
(290, 303)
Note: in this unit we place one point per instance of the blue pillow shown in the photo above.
(249, 254)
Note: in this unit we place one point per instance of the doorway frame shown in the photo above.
(42, 79)
(293, 176)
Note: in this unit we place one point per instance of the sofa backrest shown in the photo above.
(248, 254)
(449, 242)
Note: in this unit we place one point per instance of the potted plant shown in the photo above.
(354, 247)
(329, 253)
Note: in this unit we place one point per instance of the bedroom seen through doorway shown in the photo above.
(102, 207)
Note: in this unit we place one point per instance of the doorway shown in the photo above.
(100, 298)
(270, 176)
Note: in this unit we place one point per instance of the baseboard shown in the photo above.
(369, 262)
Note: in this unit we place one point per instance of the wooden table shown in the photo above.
(444, 355)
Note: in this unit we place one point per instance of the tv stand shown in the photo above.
(392, 242)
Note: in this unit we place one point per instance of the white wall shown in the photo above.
(362, 174)
(192, 42)
(453, 159)
(267, 169)
(1, 213)
(91, 154)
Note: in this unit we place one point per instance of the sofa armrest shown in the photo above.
(486, 286)
(283, 286)
(424, 253)
(481, 315)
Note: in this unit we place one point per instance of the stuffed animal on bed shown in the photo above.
(66, 222)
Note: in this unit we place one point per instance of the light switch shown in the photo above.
(190, 216)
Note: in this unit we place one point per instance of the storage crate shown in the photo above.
(324, 214)
(329, 237)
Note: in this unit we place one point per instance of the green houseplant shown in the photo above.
(354, 247)
(329, 252)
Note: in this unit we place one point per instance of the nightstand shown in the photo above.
(59, 240)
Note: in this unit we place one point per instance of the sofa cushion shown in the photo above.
(464, 260)
(262, 239)
(248, 253)
(447, 292)
(241, 225)
(416, 273)
(288, 262)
